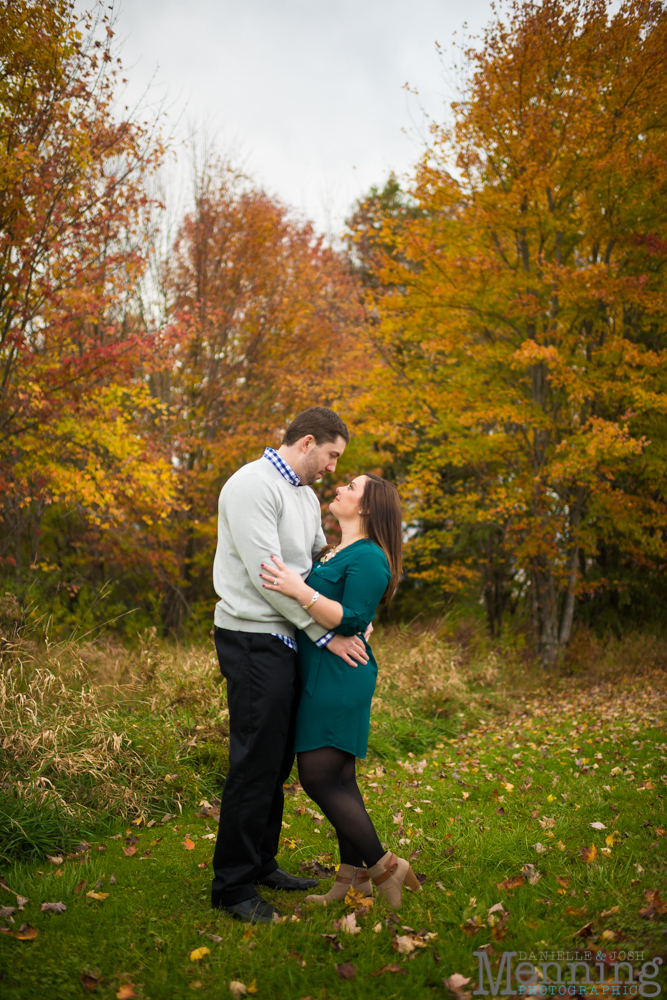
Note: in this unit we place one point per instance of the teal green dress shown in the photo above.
(335, 705)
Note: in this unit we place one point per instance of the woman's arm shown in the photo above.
(286, 581)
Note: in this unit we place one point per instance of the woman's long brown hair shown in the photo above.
(383, 522)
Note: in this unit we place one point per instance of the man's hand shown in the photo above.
(350, 648)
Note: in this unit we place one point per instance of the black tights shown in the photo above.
(327, 776)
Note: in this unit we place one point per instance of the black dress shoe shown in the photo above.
(282, 880)
(254, 911)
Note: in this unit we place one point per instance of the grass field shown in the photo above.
(546, 796)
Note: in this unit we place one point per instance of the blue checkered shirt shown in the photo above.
(288, 473)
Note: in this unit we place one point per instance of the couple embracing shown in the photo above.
(291, 630)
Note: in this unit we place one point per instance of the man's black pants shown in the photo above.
(260, 670)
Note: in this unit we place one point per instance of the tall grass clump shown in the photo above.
(91, 731)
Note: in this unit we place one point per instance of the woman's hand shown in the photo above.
(285, 581)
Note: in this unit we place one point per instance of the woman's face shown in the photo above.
(349, 499)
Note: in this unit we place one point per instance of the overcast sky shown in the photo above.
(308, 93)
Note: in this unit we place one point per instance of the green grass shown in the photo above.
(474, 815)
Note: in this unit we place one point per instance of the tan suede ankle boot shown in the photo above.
(347, 877)
(390, 874)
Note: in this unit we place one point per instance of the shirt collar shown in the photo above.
(285, 470)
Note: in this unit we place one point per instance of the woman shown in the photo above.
(342, 593)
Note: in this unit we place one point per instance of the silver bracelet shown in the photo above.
(310, 602)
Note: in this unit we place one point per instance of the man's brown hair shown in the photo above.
(321, 422)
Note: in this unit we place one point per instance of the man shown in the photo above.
(265, 509)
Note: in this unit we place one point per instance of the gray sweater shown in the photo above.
(260, 514)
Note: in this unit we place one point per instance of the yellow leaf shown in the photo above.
(589, 853)
(126, 992)
(551, 798)
(252, 987)
(97, 895)
(197, 954)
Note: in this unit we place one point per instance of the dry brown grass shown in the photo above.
(93, 728)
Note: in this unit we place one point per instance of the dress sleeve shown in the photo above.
(366, 580)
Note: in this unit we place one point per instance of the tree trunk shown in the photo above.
(567, 613)
(545, 611)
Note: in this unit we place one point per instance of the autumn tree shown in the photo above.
(261, 317)
(522, 346)
(72, 211)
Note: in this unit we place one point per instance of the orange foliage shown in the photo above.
(521, 338)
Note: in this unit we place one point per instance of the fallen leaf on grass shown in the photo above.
(348, 924)
(126, 992)
(53, 908)
(202, 864)
(7, 911)
(188, 844)
(472, 925)
(357, 901)
(572, 911)
(377, 929)
(89, 982)
(598, 826)
(608, 936)
(584, 931)
(515, 882)
(456, 983)
(24, 933)
(333, 941)
(112, 880)
(499, 930)
(530, 873)
(563, 880)
(197, 954)
(129, 851)
(346, 970)
(209, 836)
(80, 887)
(391, 968)
(610, 913)
(656, 905)
(215, 938)
(97, 895)
(588, 853)
(55, 859)
(540, 848)
(299, 959)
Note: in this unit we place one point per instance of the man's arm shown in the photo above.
(252, 514)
